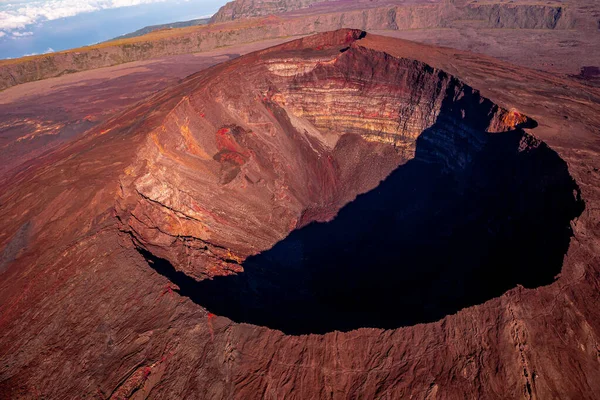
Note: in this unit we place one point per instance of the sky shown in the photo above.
(30, 27)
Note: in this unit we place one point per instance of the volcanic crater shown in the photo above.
(322, 185)
(337, 187)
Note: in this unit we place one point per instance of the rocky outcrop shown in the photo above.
(517, 16)
(258, 8)
(391, 15)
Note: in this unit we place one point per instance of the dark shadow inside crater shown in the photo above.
(429, 241)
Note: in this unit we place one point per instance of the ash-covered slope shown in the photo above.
(105, 241)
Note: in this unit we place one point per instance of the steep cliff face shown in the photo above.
(520, 15)
(99, 276)
(292, 137)
(258, 8)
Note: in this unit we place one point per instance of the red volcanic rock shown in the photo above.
(227, 163)
(278, 144)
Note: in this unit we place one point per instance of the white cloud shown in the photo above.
(19, 14)
(21, 34)
(2, 34)
(50, 50)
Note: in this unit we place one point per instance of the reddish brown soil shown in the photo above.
(39, 116)
(225, 164)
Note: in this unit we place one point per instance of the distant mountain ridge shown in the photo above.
(171, 25)
(502, 16)
(257, 8)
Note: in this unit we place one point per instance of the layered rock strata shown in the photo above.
(293, 136)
